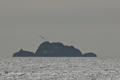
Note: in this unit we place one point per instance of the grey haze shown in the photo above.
(89, 25)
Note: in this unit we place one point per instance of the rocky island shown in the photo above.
(55, 49)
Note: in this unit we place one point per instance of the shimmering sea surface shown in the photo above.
(59, 68)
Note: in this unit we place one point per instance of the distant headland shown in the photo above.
(55, 49)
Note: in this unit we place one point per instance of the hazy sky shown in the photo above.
(89, 25)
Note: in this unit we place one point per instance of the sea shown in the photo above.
(59, 68)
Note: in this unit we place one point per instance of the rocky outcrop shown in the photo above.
(23, 53)
(90, 54)
(56, 49)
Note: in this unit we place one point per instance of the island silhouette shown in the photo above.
(54, 49)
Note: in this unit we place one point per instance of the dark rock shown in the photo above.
(90, 54)
(56, 49)
(48, 49)
(23, 53)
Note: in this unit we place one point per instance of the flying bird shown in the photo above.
(42, 37)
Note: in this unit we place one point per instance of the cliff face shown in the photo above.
(57, 50)
(47, 49)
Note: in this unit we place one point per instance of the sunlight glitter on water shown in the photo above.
(59, 68)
